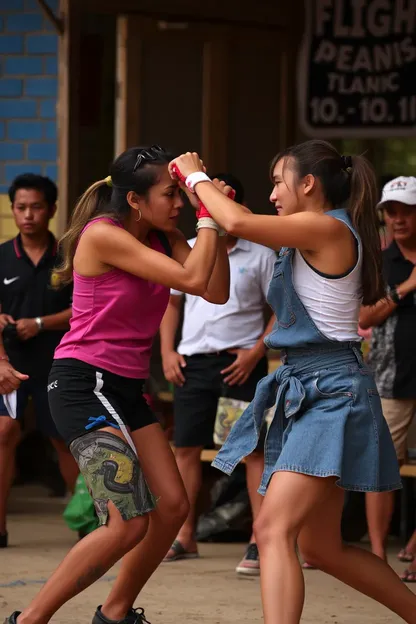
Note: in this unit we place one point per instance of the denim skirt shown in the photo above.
(327, 422)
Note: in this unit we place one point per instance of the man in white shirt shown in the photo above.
(221, 353)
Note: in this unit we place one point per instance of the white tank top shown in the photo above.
(332, 303)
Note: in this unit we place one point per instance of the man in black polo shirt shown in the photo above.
(34, 316)
(393, 343)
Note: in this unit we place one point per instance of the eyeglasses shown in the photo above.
(153, 153)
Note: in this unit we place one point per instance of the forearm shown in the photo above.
(200, 262)
(168, 329)
(260, 348)
(56, 322)
(224, 210)
(219, 283)
(372, 316)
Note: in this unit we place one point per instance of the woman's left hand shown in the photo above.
(186, 163)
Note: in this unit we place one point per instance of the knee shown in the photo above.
(9, 433)
(323, 556)
(128, 533)
(188, 454)
(175, 507)
(274, 530)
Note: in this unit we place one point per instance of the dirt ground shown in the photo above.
(198, 592)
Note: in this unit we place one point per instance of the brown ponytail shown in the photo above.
(362, 208)
(93, 202)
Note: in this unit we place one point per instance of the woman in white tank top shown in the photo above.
(328, 432)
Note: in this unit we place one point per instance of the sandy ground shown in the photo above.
(198, 592)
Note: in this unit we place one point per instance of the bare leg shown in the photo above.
(321, 543)
(67, 464)
(254, 472)
(411, 545)
(87, 561)
(288, 502)
(188, 460)
(379, 507)
(9, 439)
(162, 476)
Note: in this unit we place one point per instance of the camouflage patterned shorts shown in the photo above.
(112, 472)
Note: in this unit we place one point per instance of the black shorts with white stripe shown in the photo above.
(83, 397)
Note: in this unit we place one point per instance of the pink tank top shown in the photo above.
(115, 317)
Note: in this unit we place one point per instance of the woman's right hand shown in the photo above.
(10, 378)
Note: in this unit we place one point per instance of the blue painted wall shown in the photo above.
(28, 91)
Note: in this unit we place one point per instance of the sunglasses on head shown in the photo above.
(153, 153)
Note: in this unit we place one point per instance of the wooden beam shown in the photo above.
(254, 13)
(56, 21)
(129, 51)
(68, 112)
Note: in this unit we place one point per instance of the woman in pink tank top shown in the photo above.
(123, 252)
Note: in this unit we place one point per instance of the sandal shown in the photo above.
(405, 556)
(409, 576)
(179, 553)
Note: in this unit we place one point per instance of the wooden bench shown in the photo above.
(408, 470)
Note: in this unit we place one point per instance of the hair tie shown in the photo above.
(108, 181)
(346, 163)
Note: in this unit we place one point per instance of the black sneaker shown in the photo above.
(12, 619)
(4, 540)
(134, 616)
(250, 564)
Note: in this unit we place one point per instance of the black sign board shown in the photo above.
(357, 68)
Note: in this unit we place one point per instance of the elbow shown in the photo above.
(217, 298)
(364, 321)
(196, 287)
(232, 225)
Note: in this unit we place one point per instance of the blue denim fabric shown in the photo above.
(328, 419)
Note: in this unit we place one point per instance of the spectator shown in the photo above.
(221, 352)
(34, 316)
(392, 351)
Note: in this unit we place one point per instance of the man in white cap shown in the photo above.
(393, 342)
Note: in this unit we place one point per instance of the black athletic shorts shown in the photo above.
(83, 397)
(196, 402)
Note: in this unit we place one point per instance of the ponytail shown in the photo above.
(95, 201)
(362, 208)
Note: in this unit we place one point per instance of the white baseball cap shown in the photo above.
(401, 189)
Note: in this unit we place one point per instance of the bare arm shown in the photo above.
(115, 247)
(371, 316)
(302, 230)
(218, 289)
(58, 321)
(172, 361)
(169, 325)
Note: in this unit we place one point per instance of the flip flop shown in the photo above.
(180, 553)
(409, 576)
(405, 556)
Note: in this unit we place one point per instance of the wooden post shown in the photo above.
(68, 111)
(128, 70)
(215, 104)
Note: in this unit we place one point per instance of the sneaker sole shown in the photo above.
(248, 571)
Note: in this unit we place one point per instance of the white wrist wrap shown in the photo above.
(194, 178)
(207, 222)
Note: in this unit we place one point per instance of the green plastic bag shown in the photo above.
(79, 514)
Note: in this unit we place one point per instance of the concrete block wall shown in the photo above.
(28, 97)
